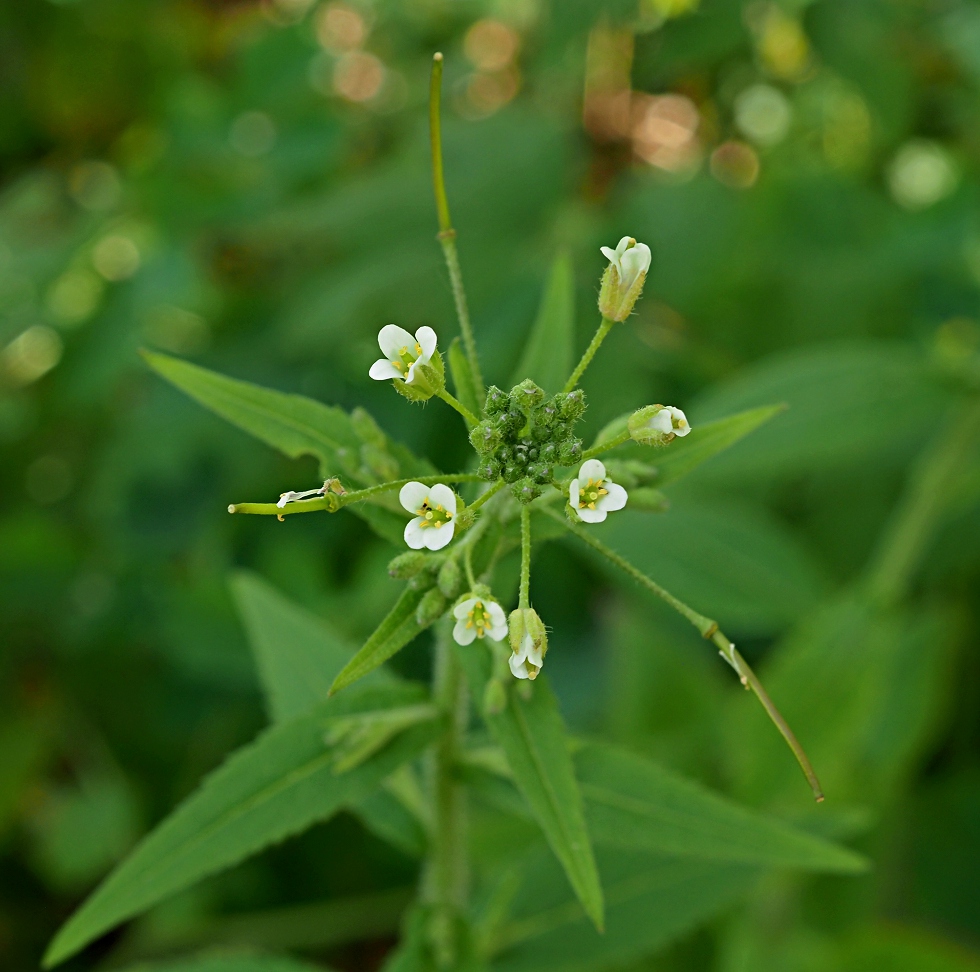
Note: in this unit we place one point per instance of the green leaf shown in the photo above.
(396, 631)
(634, 804)
(463, 381)
(652, 900)
(297, 655)
(294, 425)
(532, 736)
(548, 353)
(265, 792)
(227, 961)
(731, 561)
(893, 948)
(706, 441)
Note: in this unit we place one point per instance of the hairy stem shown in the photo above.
(598, 450)
(890, 572)
(446, 878)
(331, 502)
(447, 235)
(489, 494)
(449, 399)
(709, 629)
(524, 600)
(605, 326)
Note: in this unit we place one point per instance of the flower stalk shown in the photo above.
(605, 326)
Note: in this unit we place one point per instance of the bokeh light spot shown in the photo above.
(31, 354)
(664, 131)
(340, 28)
(491, 45)
(921, 174)
(358, 76)
(253, 133)
(74, 296)
(95, 185)
(116, 257)
(735, 164)
(176, 329)
(763, 114)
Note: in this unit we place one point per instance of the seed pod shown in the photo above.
(431, 607)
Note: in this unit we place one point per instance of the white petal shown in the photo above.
(383, 369)
(611, 255)
(683, 426)
(441, 494)
(634, 262)
(412, 496)
(427, 340)
(392, 338)
(415, 534)
(661, 421)
(623, 245)
(463, 608)
(437, 537)
(463, 635)
(517, 668)
(573, 494)
(497, 632)
(521, 653)
(591, 516)
(533, 654)
(496, 615)
(592, 469)
(615, 498)
(410, 374)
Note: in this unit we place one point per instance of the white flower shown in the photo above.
(291, 496)
(670, 419)
(476, 618)
(403, 353)
(631, 259)
(434, 508)
(526, 653)
(593, 494)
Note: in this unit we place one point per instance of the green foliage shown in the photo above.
(227, 962)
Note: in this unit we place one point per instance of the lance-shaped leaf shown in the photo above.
(532, 735)
(396, 631)
(548, 354)
(298, 657)
(228, 962)
(267, 791)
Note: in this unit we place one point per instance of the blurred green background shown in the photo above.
(247, 185)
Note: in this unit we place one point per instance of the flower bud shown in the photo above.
(657, 425)
(497, 401)
(407, 565)
(431, 607)
(528, 643)
(623, 281)
(527, 394)
(525, 490)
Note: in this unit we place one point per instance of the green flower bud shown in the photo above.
(431, 607)
(528, 643)
(449, 577)
(527, 394)
(408, 565)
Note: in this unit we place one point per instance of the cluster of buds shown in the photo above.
(525, 436)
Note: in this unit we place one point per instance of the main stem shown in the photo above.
(600, 335)
(524, 599)
(445, 881)
(917, 514)
(709, 629)
(447, 235)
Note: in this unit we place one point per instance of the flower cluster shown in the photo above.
(525, 436)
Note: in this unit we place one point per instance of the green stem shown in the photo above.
(447, 235)
(709, 629)
(524, 600)
(449, 399)
(489, 494)
(598, 450)
(600, 335)
(445, 879)
(332, 502)
(914, 521)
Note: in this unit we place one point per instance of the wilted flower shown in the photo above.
(593, 494)
(622, 283)
(478, 617)
(404, 354)
(434, 508)
(657, 424)
(528, 643)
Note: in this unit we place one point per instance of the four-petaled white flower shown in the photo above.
(434, 508)
(593, 494)
(630, 260)
(478, 618)
(403, 353)
(670, 419)
(526, 654)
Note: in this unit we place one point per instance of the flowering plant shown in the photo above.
(403, 757)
